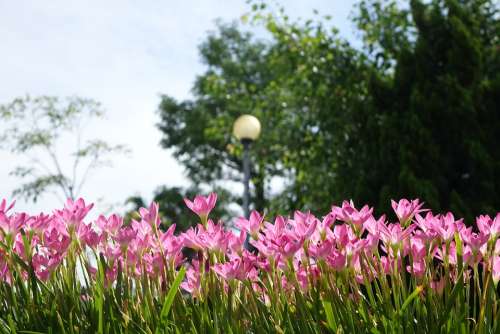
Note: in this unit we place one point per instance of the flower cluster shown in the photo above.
(293, 253)
(301, 248)
(46, 242)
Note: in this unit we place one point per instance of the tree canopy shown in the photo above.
(288, 90)
(412, 113)
(429, 129)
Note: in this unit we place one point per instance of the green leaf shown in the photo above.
(327, 306)
(169, 299)
(12, 325)
(408, 300)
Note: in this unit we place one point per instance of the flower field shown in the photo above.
(346, 272)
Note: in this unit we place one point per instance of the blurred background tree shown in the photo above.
(35, 127)
(286, 84)
(199, 131)
(410, 113)
(429, 127)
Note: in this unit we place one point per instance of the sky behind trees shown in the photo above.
(123, 54)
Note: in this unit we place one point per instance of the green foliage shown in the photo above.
(290, 85)
(386, 30)
(69, 305)
(200, 131)
(428, 130)
(413, 113)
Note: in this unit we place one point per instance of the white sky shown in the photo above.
(123, 54)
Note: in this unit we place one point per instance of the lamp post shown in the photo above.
(246, 129)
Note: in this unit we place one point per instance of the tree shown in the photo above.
(35, 127)
(289, 83)
(411, 114)
(430, 128)
(199, 131)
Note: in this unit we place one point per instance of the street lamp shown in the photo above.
(247, 129)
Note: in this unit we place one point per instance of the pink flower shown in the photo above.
(152, 263)
(151, 215)
(88, 235)
(474, 240)
(193, 280)
(305, 277)
(405, 209)
(191, 239)
(112, 252)
(171, 243)
(418, 249)
(321, 249)
(265, 247)
(3, 206)
(371, 225)
(353, 249)
(349, 214)
(252, 225)
(440, 254)
(4, 273)
(489, 226)
(278, 241)
(371, 243)
(56, 238)
(446, 226)
(274, 231)
(495, 269)
(294, 249)
(236, 243)
(427, 225)
(110, 275)
(73, 213)
(39, 223)
(109, 225)
(496, 249)
(214, 237)
(237, 268)
(143, 228)
(327, 221)
(202, 205)
(19, 246)
(393, 235)
(336, 260)
(288, 245)
(125, 236)
(417, 268)
(323, 229)
(10, 225)
(387, 264)
(343, 235)
(45, 263)
(303, 224)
